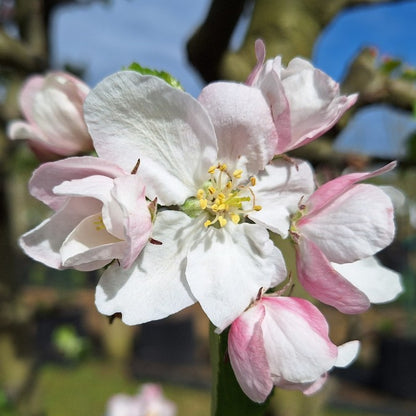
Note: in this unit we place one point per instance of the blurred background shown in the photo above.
(58, 355)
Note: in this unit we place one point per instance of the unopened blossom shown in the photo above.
(212, 181)
(283, 342)
(53, 108)
(101, 215)
(301, 101)
(150, 401)
(341, 222)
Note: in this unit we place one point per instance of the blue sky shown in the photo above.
(104, 38)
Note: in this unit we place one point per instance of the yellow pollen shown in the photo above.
(253, 181)
(222, 167)
(211, 190)
(237, 173)
(207, 223)
(221, 196)
(203, 203)
(229, 185)
(221, 207)
(200, 193)
(212, 169)
(257, 207)
(99, 224)
(214, 207)
(235, 218)
(222, 221)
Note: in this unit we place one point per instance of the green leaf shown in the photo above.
(172, 81)
(389, 65)
(227, 397)
(409, 74)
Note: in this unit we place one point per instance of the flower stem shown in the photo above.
(227, 398)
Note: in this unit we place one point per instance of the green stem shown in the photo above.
(227, 397)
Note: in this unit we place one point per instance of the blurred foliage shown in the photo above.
(70, 344)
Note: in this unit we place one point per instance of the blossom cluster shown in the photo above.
(180, 201)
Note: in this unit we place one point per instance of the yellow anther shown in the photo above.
(212, 169)
(200, 193)
(253, 181)
(217, 201)
(257, 207)
(229, 185)
(235, 218)
(99, 225)
(237, 173)
(203, 203)
(222, 221)
(221, 196)
(222, 167)
(221, 207)
(211, 190)
(214, 207)
(207, 223)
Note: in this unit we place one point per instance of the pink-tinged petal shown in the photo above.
(238, 256)
(243, 124)
(379, 283)
(358, 224)
(260, 50)
(296, 340)
(248, 356)
(320, 279)
(44, 242)
(27, 95)
(331, 190)
(49, 175)
(314, 101)
(279, 189)
(347, 353)
(155, 285)
(88, 243)
(129, 192)
(133, 117)
(306, 388)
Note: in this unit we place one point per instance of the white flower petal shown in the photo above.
(227, 267)
(358, 224)
(133, 117)
(347, 353)
(155, 285)
(379, 283)
(279, 189)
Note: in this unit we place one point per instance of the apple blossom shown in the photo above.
(283, 341)
(302, 102)
(342, 222)
(209, 179)
(101, 214)
(148, 402)
(54, 126)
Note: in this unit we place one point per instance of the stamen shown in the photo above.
(222, 221)
(207, 223)
(235, 218)
(257, 207)
(253, 181)
(200, 194)
(211, 190)
(222, 167)
(237, 173)
(212, 169)
(203, 203)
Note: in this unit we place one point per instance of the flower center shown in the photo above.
(222, 196)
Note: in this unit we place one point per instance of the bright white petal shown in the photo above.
(44, 242)
(133, 117)
(347, 353)
(279, 189)
(243, 124)
(227, 267)
(379, 283)
(155, 285)
(90, 242)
